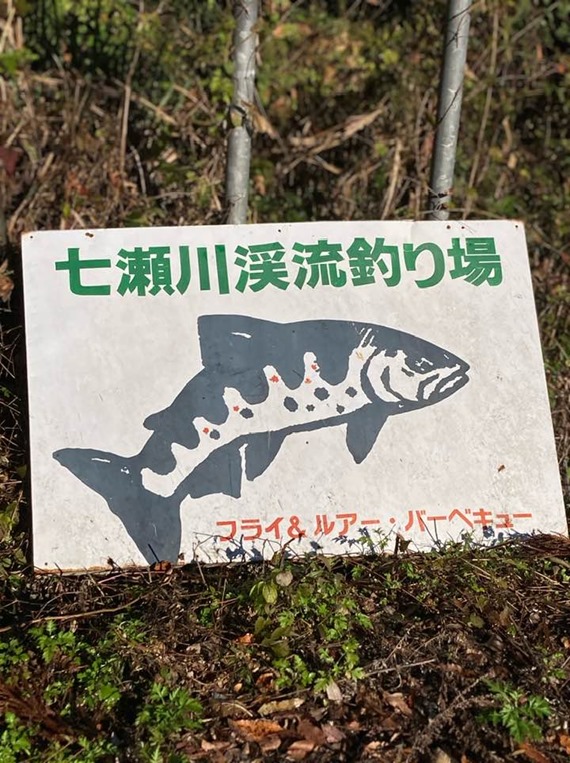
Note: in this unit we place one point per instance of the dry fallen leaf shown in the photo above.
(334, 136)
(284, 578)
(247, 638)
(162, 566)
(398, 702)
(259, 184)
(262, 124)
(256, 730)
(231, 709)
(401, 544)
(565, 743)
(300, 749)
(270, 743)
(285, 30)
(9, 158)
(265, 680)
(505, 616)
(391, 722)
(211, 746)
(311, 732)
(6, 283)
(333, 692)
(332, 734)
(280, 706)
(533, 754)
(359, 121)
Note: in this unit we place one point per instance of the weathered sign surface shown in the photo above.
(217, 392)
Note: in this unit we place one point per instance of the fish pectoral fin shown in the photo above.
(260, 451)
(362, 430)
(219, 473)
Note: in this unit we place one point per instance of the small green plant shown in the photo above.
(519, 713)
(12, 653)
(97, 668)
(13, 61)
(80, 679)
(167, 712)
(82, 751)
(53, 642)
(15, 739)
(317, 608)
(555, 666)
(207, 613)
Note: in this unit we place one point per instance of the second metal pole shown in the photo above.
(239, 141)
(449, 107)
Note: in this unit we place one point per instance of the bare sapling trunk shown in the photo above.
(239, 141)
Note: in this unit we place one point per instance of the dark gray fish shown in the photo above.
(262, 381)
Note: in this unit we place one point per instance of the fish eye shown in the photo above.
(422, 365)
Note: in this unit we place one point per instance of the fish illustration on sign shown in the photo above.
(261, 382)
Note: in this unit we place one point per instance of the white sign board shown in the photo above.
(217, 392)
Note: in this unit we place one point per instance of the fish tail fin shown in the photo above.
(151, 521)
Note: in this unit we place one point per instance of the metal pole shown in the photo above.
(449, 107)
(239, 141)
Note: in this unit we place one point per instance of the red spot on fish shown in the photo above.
(236, 407)
(274, 378)
(308, 381)
(314, 366)
(205, 430)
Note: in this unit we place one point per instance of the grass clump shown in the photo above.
(298, 605)
(412, 652)
(520, 714)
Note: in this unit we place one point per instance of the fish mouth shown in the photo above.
(451, 383)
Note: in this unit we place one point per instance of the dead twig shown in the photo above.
(127, 96)
(460, 703)
(394, 176)
(473, 176)
(79, 615)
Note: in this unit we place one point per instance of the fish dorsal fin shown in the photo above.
(362, 429)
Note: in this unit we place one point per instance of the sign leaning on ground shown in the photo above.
(216, 392)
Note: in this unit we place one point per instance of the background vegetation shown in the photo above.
(113, 113)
